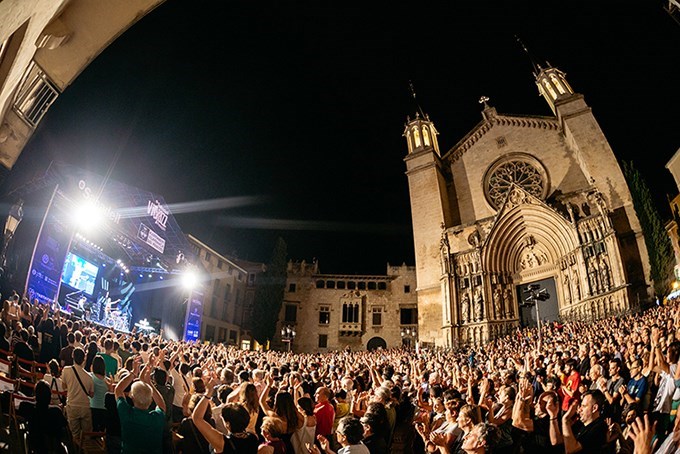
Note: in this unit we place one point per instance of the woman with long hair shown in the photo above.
(97, 406)
(92, 350)
(284, 409)
(248, 399)
(304, 435)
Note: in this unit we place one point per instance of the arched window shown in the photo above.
(550, 89)
(558, 84)
(426, 137)
(350, 312)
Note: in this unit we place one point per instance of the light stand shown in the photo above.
(410, 334)
(535, 294)
(288, 335)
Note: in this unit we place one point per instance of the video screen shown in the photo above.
(79, 273)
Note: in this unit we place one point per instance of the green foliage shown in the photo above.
(659, 248)
(269, 294)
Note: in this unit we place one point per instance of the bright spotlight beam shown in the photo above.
(198, 206)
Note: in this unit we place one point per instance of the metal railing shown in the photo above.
(35, 95)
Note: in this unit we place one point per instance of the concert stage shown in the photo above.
(108, 252)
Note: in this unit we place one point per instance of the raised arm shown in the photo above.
(212, 435)
(264, 396)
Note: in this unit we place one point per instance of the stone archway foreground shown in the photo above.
(376, 343)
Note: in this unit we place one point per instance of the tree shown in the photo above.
(269, 294)
(659, 248)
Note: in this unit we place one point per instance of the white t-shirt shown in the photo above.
(178, 382)
(664, 396)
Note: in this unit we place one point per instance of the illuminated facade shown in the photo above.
(334, 312)
(224, 293)
(519, 200)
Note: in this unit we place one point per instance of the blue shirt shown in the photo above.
(637, 388)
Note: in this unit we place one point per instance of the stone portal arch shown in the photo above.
(375, 343)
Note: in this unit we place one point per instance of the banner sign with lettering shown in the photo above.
(140, 221)
(192, 325)
(47, 263)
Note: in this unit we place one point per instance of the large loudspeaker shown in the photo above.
(77, 312)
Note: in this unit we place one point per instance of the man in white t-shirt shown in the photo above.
(665, 367)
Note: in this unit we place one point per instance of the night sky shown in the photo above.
(300, 107)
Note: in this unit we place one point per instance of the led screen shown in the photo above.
(79, 273)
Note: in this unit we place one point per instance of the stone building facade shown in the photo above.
(337, 311)
(224, 288)
(519, 200)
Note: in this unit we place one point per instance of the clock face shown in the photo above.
(519, 170)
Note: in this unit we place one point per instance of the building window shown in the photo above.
(209, 333)
(362, 286)
(377, 316)
(323, 340)
(372, 285)
(213, 305)
(408, 316)
(208, 256)
(223, 335)
(382, 286)
(220, 264)
(319, 284)
(233, 335)
(330, 284)
(407, 289)
(324, 315)
(227, 292)
(350, 313)
(251, 278)
(351, 285)
(291, 287)
(290, 315)
(341, 285)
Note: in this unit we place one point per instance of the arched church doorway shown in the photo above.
(549, 309)
(376, 343)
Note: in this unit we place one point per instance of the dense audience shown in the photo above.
(608, 386)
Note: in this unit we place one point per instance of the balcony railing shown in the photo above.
(35, 95)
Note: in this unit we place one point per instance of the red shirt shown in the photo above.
(325, 415)
(573, 381)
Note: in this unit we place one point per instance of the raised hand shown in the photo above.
(642, 432)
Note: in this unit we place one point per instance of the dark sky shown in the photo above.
(301, 106)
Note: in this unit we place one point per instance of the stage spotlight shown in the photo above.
(189, 279)
(87, 216)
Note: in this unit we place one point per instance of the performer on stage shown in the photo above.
(81, 303)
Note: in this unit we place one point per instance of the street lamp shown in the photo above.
(535, 294)
(288, 335)
(409, 334)
(16, 214)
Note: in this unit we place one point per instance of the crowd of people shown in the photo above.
(611, 385)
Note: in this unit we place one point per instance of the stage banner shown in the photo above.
(192, 323)
(49, 253)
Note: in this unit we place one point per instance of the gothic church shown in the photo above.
(519, 200)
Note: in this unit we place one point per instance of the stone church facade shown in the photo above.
(521, 199)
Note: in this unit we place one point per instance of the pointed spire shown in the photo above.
(419, 110)
(420, 132)
(536, 67)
